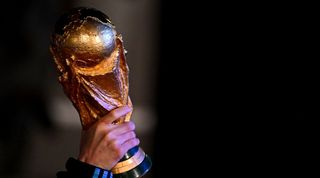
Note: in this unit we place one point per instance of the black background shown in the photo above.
(237, 89)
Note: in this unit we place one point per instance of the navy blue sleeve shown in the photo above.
(78, 169)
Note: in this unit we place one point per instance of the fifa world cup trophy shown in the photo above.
(91, 62)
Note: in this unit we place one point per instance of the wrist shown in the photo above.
(85, 170)
(95, 162)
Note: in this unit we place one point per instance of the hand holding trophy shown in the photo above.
(90, 59)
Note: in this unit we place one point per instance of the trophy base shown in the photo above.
(134, 164)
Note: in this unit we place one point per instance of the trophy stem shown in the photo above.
(134, 164)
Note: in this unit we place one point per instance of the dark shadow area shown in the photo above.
(237, 89)
(24, 74)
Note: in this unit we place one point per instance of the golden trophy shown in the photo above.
(91, 62)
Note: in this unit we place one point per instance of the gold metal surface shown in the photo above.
(130, 163)
(90, 58)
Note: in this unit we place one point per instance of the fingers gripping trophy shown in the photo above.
(90, 59)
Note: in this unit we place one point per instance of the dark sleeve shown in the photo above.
(78, 169)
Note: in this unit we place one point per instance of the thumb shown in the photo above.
(115, 114)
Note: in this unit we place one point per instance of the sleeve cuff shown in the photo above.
(84, 170)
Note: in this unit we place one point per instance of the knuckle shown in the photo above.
(107, 136)
(136, 142)
(118, 153)
(101, 127)
(132, 135)
(114, 145)
(131, 126)
(113, 114)
(132, 143)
